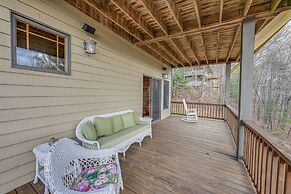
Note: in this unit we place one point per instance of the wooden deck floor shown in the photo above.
(181, 158)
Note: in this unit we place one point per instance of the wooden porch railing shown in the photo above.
(231, 118)
(205, 110)
(268, 167)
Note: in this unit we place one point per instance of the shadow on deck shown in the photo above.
(181, 158)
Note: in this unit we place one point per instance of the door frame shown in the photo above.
(150, 97)
(160, 97)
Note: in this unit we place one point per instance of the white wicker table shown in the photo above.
(40, 151)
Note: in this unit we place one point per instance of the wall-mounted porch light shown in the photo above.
(90, 46)
(165, 73)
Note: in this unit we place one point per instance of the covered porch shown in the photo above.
(200, 158)
(222, 153)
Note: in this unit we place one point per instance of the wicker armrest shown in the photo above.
(145, 120)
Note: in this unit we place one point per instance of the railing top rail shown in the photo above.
(232, 110)
(258, 131)
(202, 103)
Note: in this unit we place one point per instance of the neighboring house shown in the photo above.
(44, 97)
(204, 77)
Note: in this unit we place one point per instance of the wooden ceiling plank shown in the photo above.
(175, 13)
(233, 42)
(192, 49)
(181, 52)
(155, 15)
(134, 16)
(197, 13)
(114, 18)
(204, 49)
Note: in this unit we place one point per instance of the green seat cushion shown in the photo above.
(136, 118)
(89, 131)
(128, 120)
(103, 126)
(120, 136)
(117, 123)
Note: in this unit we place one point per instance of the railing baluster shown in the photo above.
(287, 182)
(271, 170)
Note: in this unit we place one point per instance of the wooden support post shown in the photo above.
(246, 79)
(227, 83)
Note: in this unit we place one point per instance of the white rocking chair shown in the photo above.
(67, 159)
(191, 114)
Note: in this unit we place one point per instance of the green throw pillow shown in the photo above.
(136, 118)
(117, 123)
(103, 126)
(128, 120)
(89, 131)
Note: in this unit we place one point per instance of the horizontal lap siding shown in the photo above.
(35, 106)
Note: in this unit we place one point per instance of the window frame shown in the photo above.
(67, 46)
(166, 105)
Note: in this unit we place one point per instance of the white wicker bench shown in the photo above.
(122, 146)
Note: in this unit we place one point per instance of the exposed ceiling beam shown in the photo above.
(155, 15)
(214, 26)
(114, 18)
(218, 34)
(246, 9)
(204, 49)
(168, 54)
(175, 13)
(165, 47)
(219, 31)
(217, 45)
(258, 30)
(197, 13)
(161, 54)
(238, 58)
(274, 4)
(134, 16)
(262, 25)
(247, 6)
(235, 68)
(180, 50)
(220, 11)
(208, 28)
(192, 49)
(131, 13)
(233, 42)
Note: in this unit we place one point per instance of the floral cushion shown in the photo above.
(94, 178)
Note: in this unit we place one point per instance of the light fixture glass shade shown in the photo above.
(90, 46)
(165, 75)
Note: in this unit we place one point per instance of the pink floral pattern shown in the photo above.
(94, 178)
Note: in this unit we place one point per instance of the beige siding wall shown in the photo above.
(35, 106)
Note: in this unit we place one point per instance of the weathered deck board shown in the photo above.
(183, 158)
